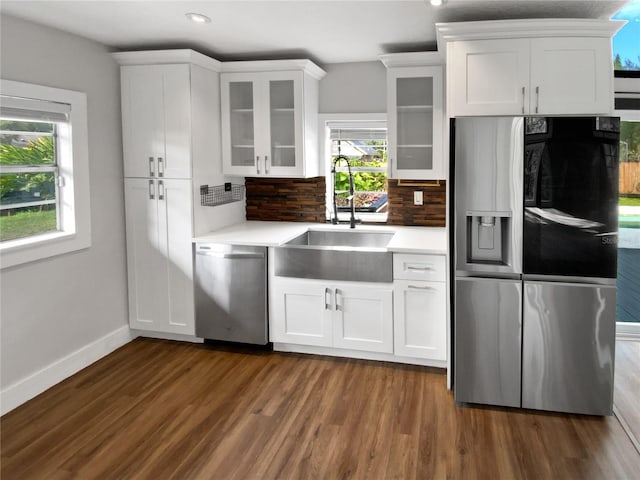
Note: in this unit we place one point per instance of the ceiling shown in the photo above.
(326, 31)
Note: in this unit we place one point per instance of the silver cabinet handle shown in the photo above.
(258, 164)
(419, 269)
(537, 98)
(416, 287)
(338, 306)
(151, 167)
(266, 168)
(160, 167)
(522, 99)
(152, 190)
(160, 190)
(327, 304)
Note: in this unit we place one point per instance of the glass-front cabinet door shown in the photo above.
(262, 124)
(241, 112)
(415, 120)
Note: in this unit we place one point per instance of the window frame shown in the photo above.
(73, 166)
(360, 120)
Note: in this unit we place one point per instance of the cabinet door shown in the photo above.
(239, 125)
(284, 131)
(142, 119)
(175, 214)
(571, 75)
(490, 77)
(415, 105)
(420, 319)
(363, 318)
(145, 261)
(176, 96)
(301, 312)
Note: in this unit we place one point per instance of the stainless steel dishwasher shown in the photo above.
(231, 293)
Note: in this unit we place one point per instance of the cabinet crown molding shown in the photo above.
(160, 57)
(527, 28)
(307, 66)
(411, 59)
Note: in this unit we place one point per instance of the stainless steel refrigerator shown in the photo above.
(535, 247)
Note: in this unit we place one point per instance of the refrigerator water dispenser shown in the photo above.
(488, 237)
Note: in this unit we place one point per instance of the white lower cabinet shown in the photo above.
(158, 221)
(332, 314)
(420, 319)
(299, 313)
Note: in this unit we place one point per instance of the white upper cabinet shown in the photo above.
(269, 118)
(489, 77)
(571, 75)
(156, 113)
(415, 114)
(529, 67)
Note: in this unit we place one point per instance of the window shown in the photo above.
(357, 144)
(44, 193)
(625, 43)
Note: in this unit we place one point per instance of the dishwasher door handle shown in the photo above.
(234, 256)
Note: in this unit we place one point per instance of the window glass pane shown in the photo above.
(626, 53)
(27, 204)
(27, 143)
(368, 161)
(27, 221)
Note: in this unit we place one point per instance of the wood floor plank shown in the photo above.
(159, 409)
(626, 395)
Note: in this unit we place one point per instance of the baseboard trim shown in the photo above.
(23, 390)
(627, 331)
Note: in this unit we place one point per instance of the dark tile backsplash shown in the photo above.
(303, 200)
(286, 199)
(402, 211)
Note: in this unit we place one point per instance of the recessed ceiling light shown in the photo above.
(437, 3)
(198, 18)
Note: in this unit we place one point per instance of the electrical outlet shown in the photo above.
(417, 198)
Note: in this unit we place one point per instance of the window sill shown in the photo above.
(24, 250)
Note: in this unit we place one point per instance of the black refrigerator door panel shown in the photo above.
(568, 347)
(488, 332)
(571, 196)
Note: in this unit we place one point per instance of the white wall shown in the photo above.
(354, 88)
(55, 307)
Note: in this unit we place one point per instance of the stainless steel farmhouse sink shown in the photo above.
(336, 255)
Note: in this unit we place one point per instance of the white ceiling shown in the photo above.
(326, 31)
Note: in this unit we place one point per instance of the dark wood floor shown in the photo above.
(157, 409)
(627, 387)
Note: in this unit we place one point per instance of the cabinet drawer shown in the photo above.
(419, 267)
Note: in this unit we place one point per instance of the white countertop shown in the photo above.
(272, 234)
